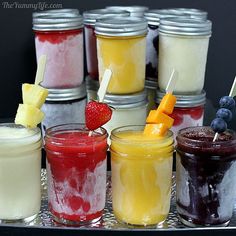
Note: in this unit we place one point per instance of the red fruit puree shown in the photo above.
(76, 167)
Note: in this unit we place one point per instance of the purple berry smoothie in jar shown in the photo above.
(206, 176)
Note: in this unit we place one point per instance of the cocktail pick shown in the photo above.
(103, 88)
(40, 69)
(231, 94)
(172, 81)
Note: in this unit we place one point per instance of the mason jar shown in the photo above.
(76, 170)
(90, 18)
(183, 46)
(141, 176)
(136, 11)
(127, 110)
(188, 110)
(63, 106)
(121, 45)
(206, 176)
(153, 17)
(60, 37)
(20, 168)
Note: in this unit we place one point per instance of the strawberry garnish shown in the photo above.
(97, 114)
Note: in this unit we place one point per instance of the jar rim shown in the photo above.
(202, 140)
(101, 134)
(131, 9)
(35, 132)
(121, 26)
(128, 128)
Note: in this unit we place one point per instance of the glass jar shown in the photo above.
(64, 106)
(76, 170)
(20, 168)
(121, 45)
(136, 11)
(183, 46)
(153, 17)
(127, 110)
(92, 87)
(60, 37)
(90, 37)
(188, 110)
(141, 176)
(194, 13)
(151, 87)
(206, 176)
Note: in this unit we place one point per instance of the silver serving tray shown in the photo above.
(109, 223)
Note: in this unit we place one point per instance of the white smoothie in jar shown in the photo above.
(20, 171)
(183, 46)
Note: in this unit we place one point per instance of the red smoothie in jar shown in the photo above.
(76, 168)
(60, 37)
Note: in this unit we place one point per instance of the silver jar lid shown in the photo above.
(55, 11)
(151, 84)
(153, 16)
(121, 26)
(58, 21)
(185, 101)
(194, 13)
(59, 95)
(126, 101)
(91, 16)
(185, 26)
(131, 9)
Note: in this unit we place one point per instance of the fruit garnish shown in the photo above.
(218, 125)
(224, 114)
(33, 95)
(159, 121)
(97, 114)
(227, 102)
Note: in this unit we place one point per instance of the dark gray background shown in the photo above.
(17, 53)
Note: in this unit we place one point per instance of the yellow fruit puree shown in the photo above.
(125, 56)
(141, 175)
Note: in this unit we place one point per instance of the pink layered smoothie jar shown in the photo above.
(90, 18)
(76, 169)
(60, 37)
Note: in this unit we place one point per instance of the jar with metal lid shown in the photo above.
(188, 111)
(128, 110)
(151, 87)
(153, 17)
(194, 13)
(59, 35)
(64, 106)
(136, 11)
(183, 46)
(92, 87)
(90, 18)
(121, 45)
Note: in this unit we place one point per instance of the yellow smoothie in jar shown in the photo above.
(121, 47)
(141, 176)
(125, 56)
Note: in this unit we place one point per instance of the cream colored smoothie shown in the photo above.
(20, 165)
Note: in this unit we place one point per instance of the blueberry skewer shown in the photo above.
(224, 114)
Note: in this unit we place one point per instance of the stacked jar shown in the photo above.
(183, 47)
(90, 18)
(153, 18)
(121, 47)
(59, 36)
